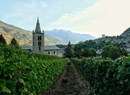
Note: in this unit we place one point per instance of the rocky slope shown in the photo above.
(122, 40)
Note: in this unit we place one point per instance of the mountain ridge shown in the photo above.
(67, 36)
(126, 33)
(24, 37)
(52, 37)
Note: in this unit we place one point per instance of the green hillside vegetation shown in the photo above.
(99, 43)
(24, 73)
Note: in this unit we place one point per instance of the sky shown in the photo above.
(94, 17)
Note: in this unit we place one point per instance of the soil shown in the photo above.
(70, 83)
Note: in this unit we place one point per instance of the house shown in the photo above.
(53, 50)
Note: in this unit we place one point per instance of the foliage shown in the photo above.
(106, 76)
(111, 51)
(95, 44)
(77, 52)
(14, 42)
(2, 40)
(68, 51)
(24, 73)
(89, 52)
(88, 44)
(99, 43)
(124, 52)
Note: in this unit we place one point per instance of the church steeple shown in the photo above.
(37, 29)
(38, 39)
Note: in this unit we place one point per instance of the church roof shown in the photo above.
(51, 47)
(46, 48)
(26, 47)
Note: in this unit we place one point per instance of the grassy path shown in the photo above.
(69, 83)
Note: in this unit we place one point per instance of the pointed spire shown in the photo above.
(37, 29)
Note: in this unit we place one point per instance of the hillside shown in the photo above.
(122, 41)
(23, 37)
(126, 33)
(67, 36)
(52, 37)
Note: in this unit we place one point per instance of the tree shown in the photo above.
(114, 52)
(105, 52)
(111, 51)
(94, 52)
(14, 42)
(124, 52)
(89, 52)
(2, 40)
(68, 51)
(78, 51)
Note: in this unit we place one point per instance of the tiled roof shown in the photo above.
(26, 47)
(50, 47)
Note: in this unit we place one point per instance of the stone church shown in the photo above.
(38, 43)
(38, 39)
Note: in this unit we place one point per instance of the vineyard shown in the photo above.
(24, 73)
(106, 76)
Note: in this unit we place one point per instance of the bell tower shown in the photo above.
(38, 39)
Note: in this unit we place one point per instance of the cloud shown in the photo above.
(26, 13)
(110, 17)
(28, 7)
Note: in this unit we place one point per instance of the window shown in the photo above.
(54, 52)
(48, 52)
(39, 37)
(39, 48)
(39, 43)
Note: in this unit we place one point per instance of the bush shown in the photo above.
(111, 51)
(89, 52)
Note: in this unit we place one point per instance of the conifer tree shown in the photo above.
(2, 40)
(68, 51)
(14, 42)
(78, 51)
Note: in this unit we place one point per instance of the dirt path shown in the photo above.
(70, 83)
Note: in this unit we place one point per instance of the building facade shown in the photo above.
(38, 39)
(38, 44)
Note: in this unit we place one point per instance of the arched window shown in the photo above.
(39, 43)
(39, 37)
(39, 48)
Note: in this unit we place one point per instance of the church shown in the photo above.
(38, 43)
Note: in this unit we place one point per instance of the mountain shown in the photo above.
(126, 33)
(122, 41)
(52, 37)
(23, 37)
(67, 36)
